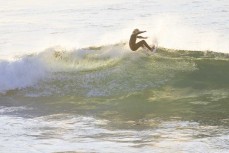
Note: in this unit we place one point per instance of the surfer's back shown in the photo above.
(132, 41)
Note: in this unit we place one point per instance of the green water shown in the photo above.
(186, 85)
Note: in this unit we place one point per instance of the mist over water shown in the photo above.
(69, 82)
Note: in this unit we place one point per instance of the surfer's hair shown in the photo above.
(135, 31)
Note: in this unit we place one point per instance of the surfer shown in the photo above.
(134, 46)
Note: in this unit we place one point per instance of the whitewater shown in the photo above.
(70, 83)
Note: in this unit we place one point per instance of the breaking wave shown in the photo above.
(97, 71)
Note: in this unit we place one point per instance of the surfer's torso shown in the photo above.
(132, 41)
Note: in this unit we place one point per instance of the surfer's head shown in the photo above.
(135, 31)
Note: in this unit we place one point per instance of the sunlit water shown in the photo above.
(57, 97)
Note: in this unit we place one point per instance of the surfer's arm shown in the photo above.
(140, 32)
(142, 37)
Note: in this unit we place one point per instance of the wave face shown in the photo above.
(108, 71)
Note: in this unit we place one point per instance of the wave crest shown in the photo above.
(93, 71)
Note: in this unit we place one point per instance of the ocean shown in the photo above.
(70, 84)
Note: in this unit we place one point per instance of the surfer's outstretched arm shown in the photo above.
(142, 37)
(137, 33)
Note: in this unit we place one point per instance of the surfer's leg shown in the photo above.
(143, 43)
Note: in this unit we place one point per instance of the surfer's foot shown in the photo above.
(153, 49)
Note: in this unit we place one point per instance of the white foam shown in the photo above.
(4, 109)
(27, 71)
(20, 73)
